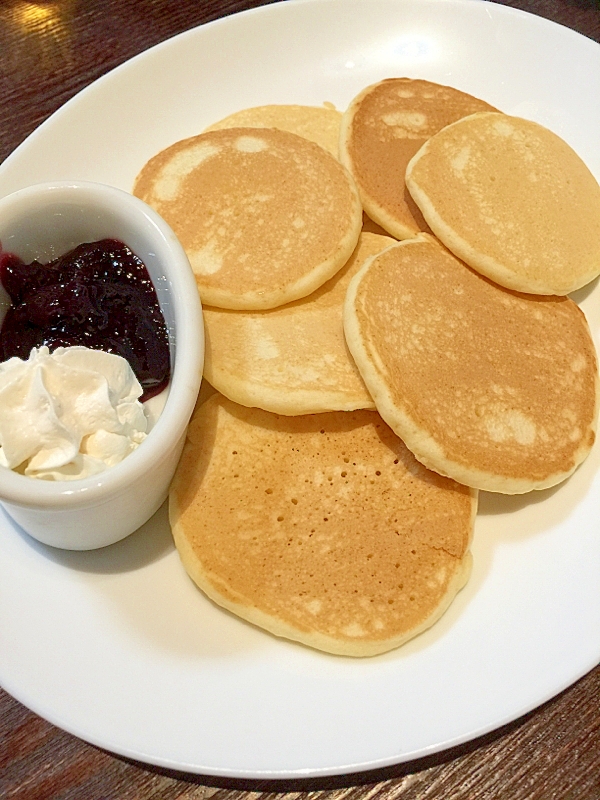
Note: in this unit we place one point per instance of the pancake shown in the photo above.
(371, 227)
(319, 124)
(512, 200)
(292, 359)
(265, 216)
(495, 389)
(382, 129)
(320, 528)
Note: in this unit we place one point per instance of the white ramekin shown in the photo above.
(42, 222)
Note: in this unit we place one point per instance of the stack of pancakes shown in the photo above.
(374, 372)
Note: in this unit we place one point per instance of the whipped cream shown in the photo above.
(68, 414)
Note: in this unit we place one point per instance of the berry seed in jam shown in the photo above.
(99, 295)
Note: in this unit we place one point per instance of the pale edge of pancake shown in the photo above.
(210, 584)
(484, 264)
(389, 223)
(422, 445)
(288, 402)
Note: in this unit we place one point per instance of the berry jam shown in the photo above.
(99, 295)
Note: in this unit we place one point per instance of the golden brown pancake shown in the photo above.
(292, 359)
(320, 124)
(320, 528)
(513, 201)
(496, 389)
(382, 129)
(265, 216)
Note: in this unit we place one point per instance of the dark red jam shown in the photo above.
(99, 295)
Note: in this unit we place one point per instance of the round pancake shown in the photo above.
(293, 359)
(320, 124)
(321, 528)
(265, 216)
(512, 200)
(382, 129)
(496, 389)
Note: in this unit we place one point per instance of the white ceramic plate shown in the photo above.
(118, 646)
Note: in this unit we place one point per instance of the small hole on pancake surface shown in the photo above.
(414, 552)
(396, 461)
(325, 519)
(378, 472)
(411, 598)
(344, 473)
(279, 519)
(234, 452)
(294, 501)
(269, 491)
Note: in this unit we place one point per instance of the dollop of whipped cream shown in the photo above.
(68, 414)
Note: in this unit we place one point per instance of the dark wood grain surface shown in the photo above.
(48, 52)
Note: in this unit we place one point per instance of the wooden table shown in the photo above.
(551, 754)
